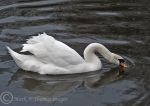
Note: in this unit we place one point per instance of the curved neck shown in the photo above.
(90, 56)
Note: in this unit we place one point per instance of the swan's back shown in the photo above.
(50, 51)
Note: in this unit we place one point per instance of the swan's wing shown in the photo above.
(48, 50)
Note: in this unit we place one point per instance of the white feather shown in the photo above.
(51, 56)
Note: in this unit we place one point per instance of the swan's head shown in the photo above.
(116, 59)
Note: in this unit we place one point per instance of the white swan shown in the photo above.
(51, 56)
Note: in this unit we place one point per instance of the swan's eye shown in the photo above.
(121, 60)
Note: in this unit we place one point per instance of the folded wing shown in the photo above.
(50, 51)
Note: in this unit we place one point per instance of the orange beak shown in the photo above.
(122, 66)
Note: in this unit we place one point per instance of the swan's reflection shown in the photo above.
(50, 85)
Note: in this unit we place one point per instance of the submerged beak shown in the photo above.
(122, 66)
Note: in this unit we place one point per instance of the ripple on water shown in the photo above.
(35, 29)
(13, 19)
(120, 25)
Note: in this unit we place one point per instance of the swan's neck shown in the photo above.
(90, 56)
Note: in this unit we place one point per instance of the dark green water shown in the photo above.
(121, 25)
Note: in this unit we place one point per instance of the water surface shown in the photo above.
(122, 26)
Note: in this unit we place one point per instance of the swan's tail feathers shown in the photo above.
(16, 56)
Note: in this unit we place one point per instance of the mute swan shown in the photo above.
(51, 56)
